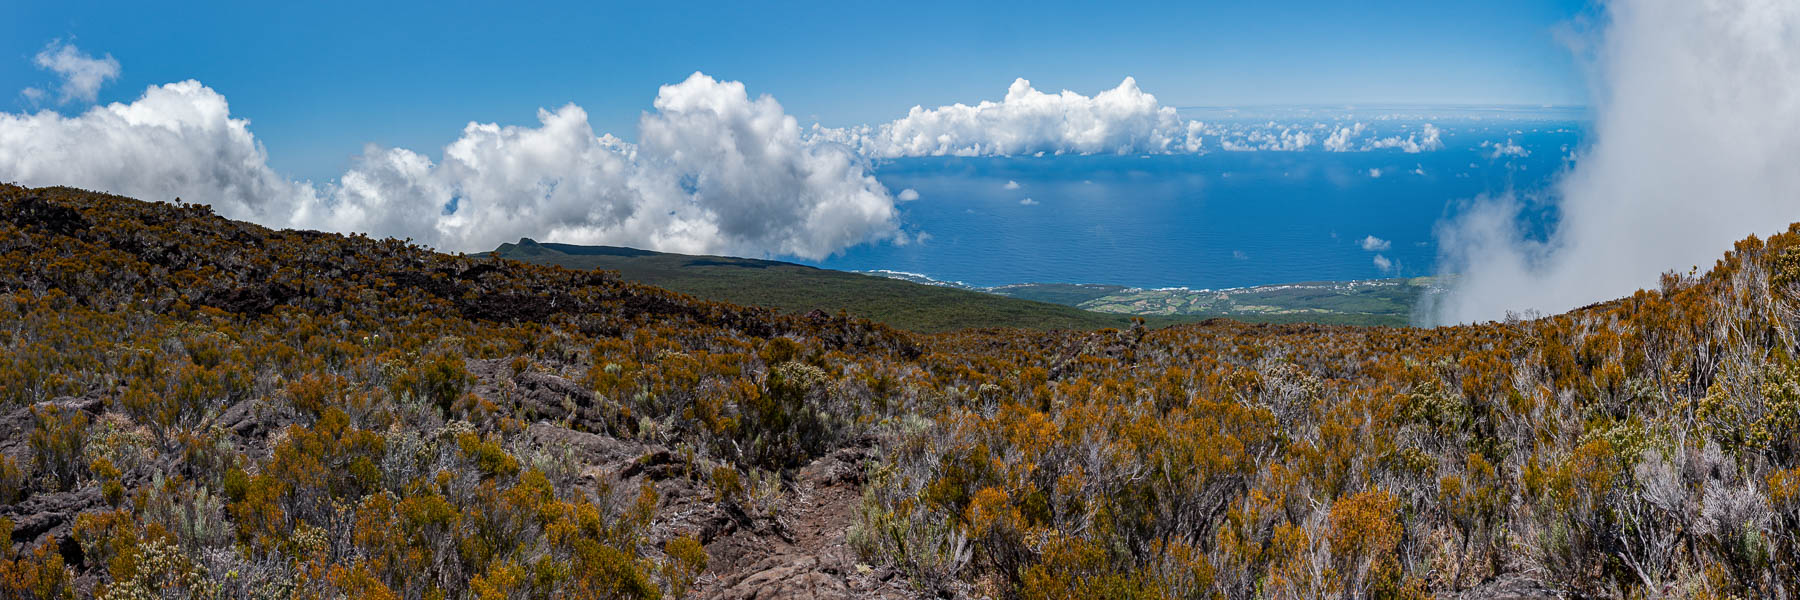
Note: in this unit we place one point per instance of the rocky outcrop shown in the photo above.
(797, 577)
(41, 516)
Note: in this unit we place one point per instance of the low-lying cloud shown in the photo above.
(714, 172)
(1342, 139)
(1698, 123)
(1275, 138)
(1508, 148)
(1122, 120)
(1426, 139)
(1345, 139)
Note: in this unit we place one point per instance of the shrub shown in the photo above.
(57, 444)
(15, 483)
(686, 559)
(38, 575)
(785, 424)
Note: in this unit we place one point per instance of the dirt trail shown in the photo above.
(804, 554)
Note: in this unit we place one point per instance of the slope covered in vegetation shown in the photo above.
(195, 407)
(802, 289)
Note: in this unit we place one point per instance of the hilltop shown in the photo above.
(198, 407)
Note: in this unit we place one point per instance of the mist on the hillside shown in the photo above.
(1697, 126)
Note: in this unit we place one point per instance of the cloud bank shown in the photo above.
(1344, 139)
(1122, 120)
(177, 140)
(1428, 138)
(1698, 121)
(1274, 138)
(1499, 150)
(714, 172)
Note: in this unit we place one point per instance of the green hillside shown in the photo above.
(799, 288)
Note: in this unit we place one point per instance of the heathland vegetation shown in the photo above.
(200, 408)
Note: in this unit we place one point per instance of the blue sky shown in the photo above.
(320, 80)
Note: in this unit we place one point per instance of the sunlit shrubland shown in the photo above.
(222, 410)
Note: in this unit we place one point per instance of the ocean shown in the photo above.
(1214, 220)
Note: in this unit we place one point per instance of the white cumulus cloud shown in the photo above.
(1382, 263)
(1429, 138)
(907, 195)
(82, 74)
(1375, 244)
(1345, 139)
(1010, 185)
(177, 140)
(1122, 120)
(1271, 137)
(714, 172)
(1028, 202)
(1505, 149)
(1342, 138)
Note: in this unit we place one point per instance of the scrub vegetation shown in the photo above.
(194, 407)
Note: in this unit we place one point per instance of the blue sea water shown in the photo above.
(1214, 220)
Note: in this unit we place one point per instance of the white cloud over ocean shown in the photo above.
(1499, 150)
(1428, 138)
(1122, 120)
